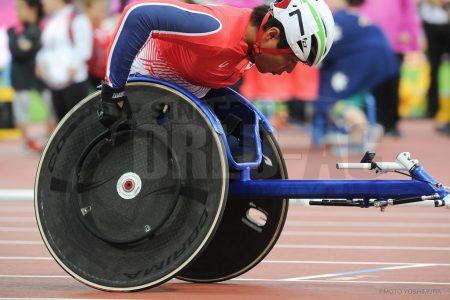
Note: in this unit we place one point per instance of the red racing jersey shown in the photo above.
(197, 47)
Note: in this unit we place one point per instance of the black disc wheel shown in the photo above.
(129, 210)
(249, 228)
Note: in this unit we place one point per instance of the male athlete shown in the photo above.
(200, 47)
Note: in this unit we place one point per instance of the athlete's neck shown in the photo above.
(250, 36)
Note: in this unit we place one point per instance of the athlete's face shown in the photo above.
(274, 63)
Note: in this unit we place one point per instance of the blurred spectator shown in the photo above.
(350, 116)
(7, 18)
(66, 47)
(400, 22)
(5, 56)
(24, 43)
(436, 21)
(96, 11)
(360, 59)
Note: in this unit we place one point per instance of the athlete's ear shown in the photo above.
(272, 33)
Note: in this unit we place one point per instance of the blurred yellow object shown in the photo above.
(9, 134)
(443, 115)
(414, 82)
(6, 94)
(6, 98)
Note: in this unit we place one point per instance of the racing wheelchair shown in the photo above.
(197, 190)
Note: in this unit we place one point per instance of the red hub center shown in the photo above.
(128, 185)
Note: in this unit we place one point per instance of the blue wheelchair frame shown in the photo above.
(359, 193)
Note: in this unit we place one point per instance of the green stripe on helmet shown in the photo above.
(320, 25)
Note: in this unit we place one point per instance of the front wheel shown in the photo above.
(129, 211)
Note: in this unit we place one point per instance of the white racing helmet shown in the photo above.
(308, 25)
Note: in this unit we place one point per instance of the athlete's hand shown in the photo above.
(114, 106)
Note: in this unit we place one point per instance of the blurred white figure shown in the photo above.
(66, 47)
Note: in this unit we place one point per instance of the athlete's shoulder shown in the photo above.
(217, 27)
(167, 3)
(223, 13)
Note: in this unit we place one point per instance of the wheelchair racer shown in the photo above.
(200, 47)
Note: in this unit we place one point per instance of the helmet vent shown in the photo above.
(313, 53)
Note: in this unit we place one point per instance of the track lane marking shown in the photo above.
(319, 262)
(365, 234)
(372, 270)
(351, 247)
(26, 258)
(285, 246)
(349, 262)
(11, 242)
(33, 276)
(343, 281)
(379, 224)
(16, 194)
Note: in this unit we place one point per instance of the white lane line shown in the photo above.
(372, 270)
(34, 276)
(365, 234)
(320, 262)
(367, 224)
(411, 248)
(348, 262)
(8, 195)
(18, 229)
(10, 242)
(344, 281)
(290, 246)
(26, 258)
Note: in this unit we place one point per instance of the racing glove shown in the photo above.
(114, 109)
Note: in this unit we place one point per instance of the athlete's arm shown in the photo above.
(143, 20)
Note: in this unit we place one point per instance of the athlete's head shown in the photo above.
(292, 31)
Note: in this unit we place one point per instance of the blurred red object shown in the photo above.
(302, 83)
